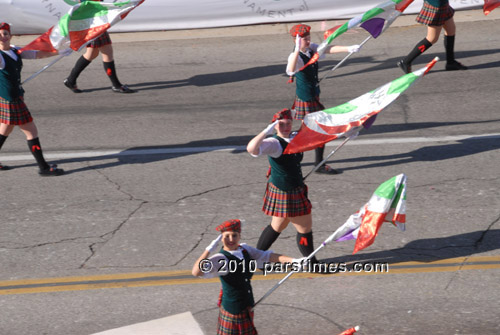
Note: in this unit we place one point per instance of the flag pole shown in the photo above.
(345, 58)
(327, 157)
(43, 69)
(338, 233)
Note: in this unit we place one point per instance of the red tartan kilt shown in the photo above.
(286, 203)
(101, 41)
(434, 16)
(236, 324)
(302, 108)
(14, 112)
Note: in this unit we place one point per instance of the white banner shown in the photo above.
(37, 16)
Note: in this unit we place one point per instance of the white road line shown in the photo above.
(181, 150)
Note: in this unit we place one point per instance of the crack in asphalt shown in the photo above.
(476, 245)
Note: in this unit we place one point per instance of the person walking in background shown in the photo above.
(436, 14)
(13, 110)
(102, 45)
(307, 83)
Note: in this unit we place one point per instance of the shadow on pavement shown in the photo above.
(430, 249)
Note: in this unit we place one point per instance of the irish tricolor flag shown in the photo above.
(83, 23)
(489, 5)
(321, 127)
(375, 21)
(387, 204)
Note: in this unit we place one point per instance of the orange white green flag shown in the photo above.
(324, 126)
(83, 23)
(387, 204)
(375, 21)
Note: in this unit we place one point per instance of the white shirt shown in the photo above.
(28, 54)
(313, 48)
(221, 266)
(272, 147)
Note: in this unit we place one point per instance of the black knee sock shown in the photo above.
(306, 245)
(267, 238)
(109, 67)
(417, 51)
(318, 153)
(36, 150)
(80, 65)
(449, 45)
(2, 140)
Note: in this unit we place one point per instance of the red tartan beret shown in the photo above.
(282, 115)
(5, 26)
(300, 29)
(230, 225)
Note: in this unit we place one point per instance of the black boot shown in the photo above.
(267, 238)
(45, 169)
(405, 63)
(451, 63)
(327, 169)
(306, 245)
(70, 82)
(117, 87)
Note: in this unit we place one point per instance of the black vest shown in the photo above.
(237, 292)
(307, 80)
(286, 172)
(10, 77)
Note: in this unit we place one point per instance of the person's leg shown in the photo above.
(318, 154)
(109, 67)
(422, 46)
(449, 45)
(303, 225)
(5, 130)
(31, 132)
(80, 65)
(270, 234)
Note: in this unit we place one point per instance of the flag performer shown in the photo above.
(489, 5)
(307, 84)
(345, 120)
(388, 203)
(87, 23)
(285, 199)
(234, 264)
(435, 14)
(13, 110)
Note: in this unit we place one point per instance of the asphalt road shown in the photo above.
(150, 175)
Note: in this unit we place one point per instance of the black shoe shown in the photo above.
(4, 167)
(51, 171)
(403, 66)
(327, 169)
(72, 87)
(454, 66)
(123, 89)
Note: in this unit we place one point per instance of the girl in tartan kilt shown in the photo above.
(435, 14)
(103, 45)
(307, 87)
(286, 198)
(13, 110)
(233, 265)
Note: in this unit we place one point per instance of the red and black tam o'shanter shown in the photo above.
(5, 26)
(283, 114)
(300, 29)
(230, 225)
